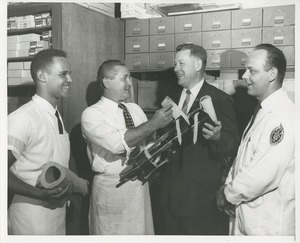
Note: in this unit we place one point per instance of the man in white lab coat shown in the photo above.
(259, 192)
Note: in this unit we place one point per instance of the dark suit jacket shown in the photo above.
(190, 180)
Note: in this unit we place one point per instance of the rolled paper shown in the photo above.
(208, 107)
(55, 175)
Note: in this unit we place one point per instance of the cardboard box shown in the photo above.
(14, 65)
(29, 37)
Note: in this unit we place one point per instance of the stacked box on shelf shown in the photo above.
(105, 8)
(19, 73)
(29, 21)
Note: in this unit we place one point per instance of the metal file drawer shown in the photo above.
(289, 52)
(161, 60)
(279, 16)
(137, 61)
(245, 37)
(217, 59)
(279, 36)
(246, 18)
(238, 57)
(135, 27)
(216, 21)
(188, 23)
(163, 25)
(216, 39)
(194, 38)
(161, 43)
(136, 44)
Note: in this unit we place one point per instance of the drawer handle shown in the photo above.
(137, 65)
(161, 64)
(136, 47)
(278, 20)
(278, 39)
(161, 29)
(246, 42)
(136, 31)
(188, 27)
(216, 24)
(161, 46)
(216, 43)
(246, 22)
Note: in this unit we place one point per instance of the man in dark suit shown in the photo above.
(190, 180)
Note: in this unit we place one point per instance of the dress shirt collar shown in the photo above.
(271, 101)
(195, 90)
(44, 104)
(109, 103)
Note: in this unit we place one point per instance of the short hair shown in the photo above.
(196, 51)
(275, 58)
(106, 70)
(43, 59)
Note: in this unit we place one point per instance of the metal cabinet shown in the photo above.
(135, 27)
(188, 23)
(279, 16)
(137, 61)
(245, 37)
(216, 21)
(136, 44)
(194, 38)
(246, 18)
(279, 36)
(216, 39)
(163, 25)
(161, 43)
(161, 60)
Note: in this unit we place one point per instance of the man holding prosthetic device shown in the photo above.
(190, 180)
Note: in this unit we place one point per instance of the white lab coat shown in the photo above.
(261, 181)
(35, 141)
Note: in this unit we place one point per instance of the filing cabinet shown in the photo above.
(246, 18)
(279, 16)
(188, 23)
(217, 59)
(216, 39)
(194, 38)
(137, 61)
(245, 37)
(289, 52)
(137, 44)
(135, 27)
(161, 60)
(161, 43)
(279, 36)
(216, 21)
(238, 57)
(163, 25)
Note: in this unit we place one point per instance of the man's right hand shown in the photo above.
(162, 117)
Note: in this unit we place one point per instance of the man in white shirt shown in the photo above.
(110, 138)
(259, 192)
(36, 136)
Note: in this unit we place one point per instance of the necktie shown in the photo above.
(186, 102)
(60, 127)
(128, 119)
(256, 109)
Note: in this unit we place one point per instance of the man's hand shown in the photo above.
(222, 203)
(57, 194)
(210, 132)
(162, 117)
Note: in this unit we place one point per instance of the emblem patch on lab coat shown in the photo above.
(277, 135)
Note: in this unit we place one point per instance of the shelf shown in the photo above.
(36, 30)
(20, 59)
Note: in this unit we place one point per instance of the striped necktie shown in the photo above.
(128, 119)
(186, 102)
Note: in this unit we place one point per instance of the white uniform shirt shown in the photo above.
(261, 181)
(103, 127)
(119, 211)
(30, 139)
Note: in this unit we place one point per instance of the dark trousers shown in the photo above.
(218, 224)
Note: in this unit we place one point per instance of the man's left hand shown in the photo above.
(222, 203)
(210, 132)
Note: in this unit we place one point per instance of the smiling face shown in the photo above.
(118, 85)
(187, 69)
(58, 79)
(257, 79)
